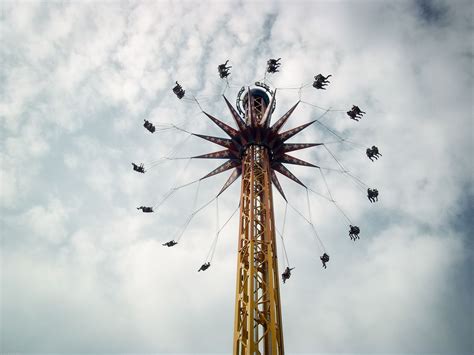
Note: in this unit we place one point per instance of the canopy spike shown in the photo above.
(289, 147)
(290, 133)
(284, 171)
(238, 120)
(221, 154)
(288, 159)
(232, 132)
(223, 167)
(276, 182)
(280, 123)
(234, 176)
(225, 142)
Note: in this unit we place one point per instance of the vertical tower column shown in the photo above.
(258, 326)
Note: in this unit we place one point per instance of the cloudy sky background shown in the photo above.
(83, 271)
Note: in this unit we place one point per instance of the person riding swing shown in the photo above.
(171, 243)
(273, 65)
(145, 209)
(178, 90)
(149, 126)
(286, 274)
(320, 81)
(139, 168)
(324, 259)
(223, 70)
(204, 266)
(372, 194)
(354, 232)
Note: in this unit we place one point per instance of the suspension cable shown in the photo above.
(363, 184)
(309, 207)
(282, 234)
(345, 171)
(214, 241)
(172, 191)
(196, 194)
(181, 129)
(334, 157)
(322, 108)
(197, 102)
(333, 201)
(294, 88)
(169, 156)
(343, 213)
(319, 107)
(323, 168)
(327, 186)
(189, 219)
(217, 215)
(226, 86)
(317, 238)
(179, 146)
(284, 248)
(319, 194)
(342, 139)
(212, 250)
(175, 187)
(360, 146)
(311, 220)
(300, 91)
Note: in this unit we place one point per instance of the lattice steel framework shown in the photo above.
(258, 327)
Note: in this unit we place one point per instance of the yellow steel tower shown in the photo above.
(256, 151)
(258, 328)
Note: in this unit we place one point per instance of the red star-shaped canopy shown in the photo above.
(252, 131)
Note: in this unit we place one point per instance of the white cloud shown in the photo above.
(84, 264)
(47, 222)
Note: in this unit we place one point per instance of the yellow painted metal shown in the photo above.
(258, 323)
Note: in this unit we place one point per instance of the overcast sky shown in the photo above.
(82, 271)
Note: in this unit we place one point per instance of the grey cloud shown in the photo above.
(433, 12)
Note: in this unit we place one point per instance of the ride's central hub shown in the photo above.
(252, 117)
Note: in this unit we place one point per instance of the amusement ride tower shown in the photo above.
(255, 150)
(257, 304)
